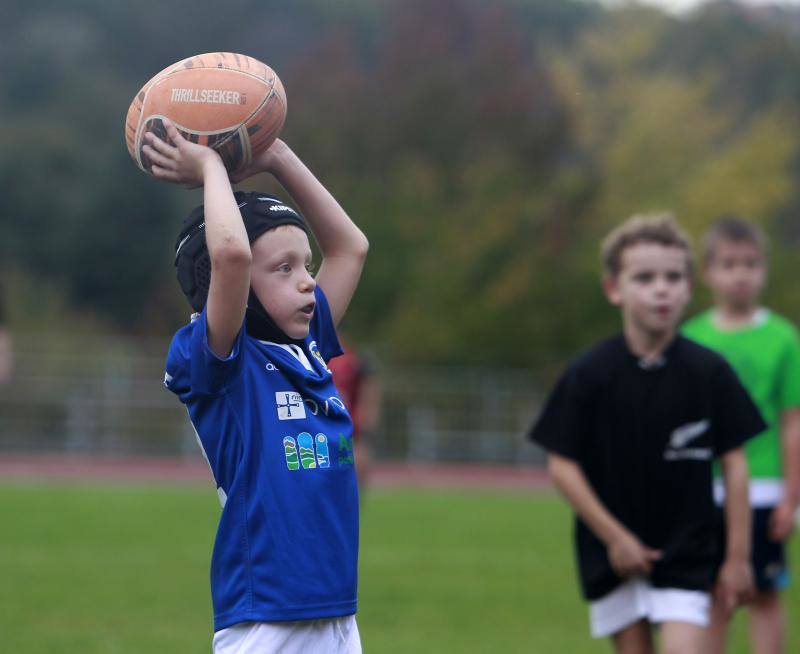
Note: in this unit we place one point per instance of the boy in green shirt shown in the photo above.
(764, 349)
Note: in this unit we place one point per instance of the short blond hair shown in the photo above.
(661, 228)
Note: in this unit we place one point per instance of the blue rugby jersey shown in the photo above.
(278, 440)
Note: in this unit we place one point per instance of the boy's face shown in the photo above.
(652, 287)
(281, 279)
(736, 273)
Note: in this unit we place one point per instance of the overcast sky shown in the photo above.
(682, 5)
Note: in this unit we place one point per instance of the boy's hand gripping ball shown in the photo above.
(230, 102)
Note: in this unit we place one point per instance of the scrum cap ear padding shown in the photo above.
(260, 213)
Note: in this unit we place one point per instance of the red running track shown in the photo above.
(77, 469)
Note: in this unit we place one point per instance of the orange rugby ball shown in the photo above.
(230, 102)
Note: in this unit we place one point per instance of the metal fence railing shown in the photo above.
(104, 396)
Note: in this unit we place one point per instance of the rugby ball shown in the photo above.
(230, 102)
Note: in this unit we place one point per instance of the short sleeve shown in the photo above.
(322, 329)
(790, 377)
(211, 374)
(192, 367)
(735, 417)
(566, 418)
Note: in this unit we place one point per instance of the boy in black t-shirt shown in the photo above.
(631, 430)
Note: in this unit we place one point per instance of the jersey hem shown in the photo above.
(290, 614)
(593, 594)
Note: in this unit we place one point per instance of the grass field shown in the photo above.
(124, 570)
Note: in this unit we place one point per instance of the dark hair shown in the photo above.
(733, 229)
(660, 228)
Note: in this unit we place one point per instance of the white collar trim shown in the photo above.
(759, 317)
(296, 351)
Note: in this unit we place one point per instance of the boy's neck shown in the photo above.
(731, 316)
(648, 346)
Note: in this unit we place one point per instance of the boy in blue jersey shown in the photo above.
(251, 369)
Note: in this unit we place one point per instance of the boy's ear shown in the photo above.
(611, 290)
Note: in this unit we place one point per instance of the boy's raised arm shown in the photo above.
(189, 164)
(735, 580)
(343, 245)
(625, 552)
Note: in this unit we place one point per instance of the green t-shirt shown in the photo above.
(766, 356)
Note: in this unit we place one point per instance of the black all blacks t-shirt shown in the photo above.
(645, 437)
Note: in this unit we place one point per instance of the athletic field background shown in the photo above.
(123, 569)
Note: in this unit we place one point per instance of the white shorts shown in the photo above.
(636, 599)
(332, 635)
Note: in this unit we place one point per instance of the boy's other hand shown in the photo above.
(268, 161)
(734, 585)
(628, 556)
(179, 161)
(781, 522)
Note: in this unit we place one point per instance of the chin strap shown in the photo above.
(259, 324)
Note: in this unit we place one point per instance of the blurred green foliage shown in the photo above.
(483, 147)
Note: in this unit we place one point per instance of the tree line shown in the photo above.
(483, 147)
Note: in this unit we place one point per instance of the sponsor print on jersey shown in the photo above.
(345, 451)
(290, 405)
(331, 406)
(680, 438)
(293, 406)
(314, 452)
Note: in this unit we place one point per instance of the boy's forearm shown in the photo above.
(335, 233)
(573, 485)
(737, 505)
(224, 227)
(790, 443)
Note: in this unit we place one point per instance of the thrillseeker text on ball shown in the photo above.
(208, 96)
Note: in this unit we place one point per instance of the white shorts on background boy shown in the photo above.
(637, 599)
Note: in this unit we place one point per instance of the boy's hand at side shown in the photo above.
(735, 580)
(781, 521)
(179, 161)
(626, 553)
(629, 556)
(734, 585)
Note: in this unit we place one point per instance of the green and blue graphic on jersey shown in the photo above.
(323, 458)
(290, 448)
(315, 452)
(306, 445)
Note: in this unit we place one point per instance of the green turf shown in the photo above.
(125, 570)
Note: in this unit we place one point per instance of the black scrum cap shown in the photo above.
(260, 213)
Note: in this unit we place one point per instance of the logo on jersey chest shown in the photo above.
(678, 447)
(312, 347)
